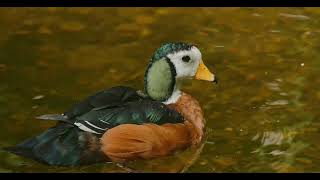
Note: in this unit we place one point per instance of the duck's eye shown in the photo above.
(186, 58)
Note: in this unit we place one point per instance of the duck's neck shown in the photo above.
(175, 94)
(160, 82)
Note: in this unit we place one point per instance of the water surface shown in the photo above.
(262, 116)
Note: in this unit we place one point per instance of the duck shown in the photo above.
(122, 124)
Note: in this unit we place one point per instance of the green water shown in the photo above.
(262, 116)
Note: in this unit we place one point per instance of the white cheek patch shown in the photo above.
(183, 69)
(186, 69)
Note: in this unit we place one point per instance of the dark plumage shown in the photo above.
(61, 145)
(169, 48)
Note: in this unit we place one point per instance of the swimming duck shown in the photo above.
(122, 124)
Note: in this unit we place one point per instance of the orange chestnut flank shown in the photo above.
(122, 124)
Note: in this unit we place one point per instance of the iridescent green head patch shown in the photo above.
(169, 48)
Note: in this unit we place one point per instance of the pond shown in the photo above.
(263, 116)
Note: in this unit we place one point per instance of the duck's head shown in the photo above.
(169, 65)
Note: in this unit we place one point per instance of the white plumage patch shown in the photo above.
(174, 97)
(85, 128)
(94, 126)
(186, 69)
(89, 127)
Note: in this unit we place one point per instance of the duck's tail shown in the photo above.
(62, 145)
(56, 117)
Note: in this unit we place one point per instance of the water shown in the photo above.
(262, 116)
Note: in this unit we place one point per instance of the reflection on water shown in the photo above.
(262, 117)
(282, 146)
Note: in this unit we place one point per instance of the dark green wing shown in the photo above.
(115, 106)
(138, 112)
(107, 98)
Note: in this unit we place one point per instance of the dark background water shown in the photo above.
(262, 116)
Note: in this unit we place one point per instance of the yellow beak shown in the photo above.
(203, 73)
